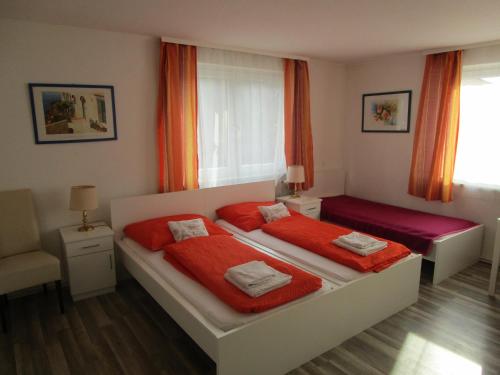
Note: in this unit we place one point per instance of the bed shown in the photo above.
(452, 244)
(281, 339)
(210, 308)
(324, 267)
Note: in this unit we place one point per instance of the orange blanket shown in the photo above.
(206, 259)
(317, 236)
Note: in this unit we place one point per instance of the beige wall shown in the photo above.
(328, 93)
(378, 164)
(33, 52)
(54, 54)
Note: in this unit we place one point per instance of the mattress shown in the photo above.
(414, 229)
(314, 262)
(208, 305)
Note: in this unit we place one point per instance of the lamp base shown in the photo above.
(296, 192)
(86, 228)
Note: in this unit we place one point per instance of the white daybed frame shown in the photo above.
(450, 254)
(287, 338)
(455, 252)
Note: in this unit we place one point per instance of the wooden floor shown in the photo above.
(453, 329)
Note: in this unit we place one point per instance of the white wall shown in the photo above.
(378, 164)
(54, 54)
(31, 52)
(328, 94)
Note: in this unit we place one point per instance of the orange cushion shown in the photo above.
(153, 234)
(245, 215)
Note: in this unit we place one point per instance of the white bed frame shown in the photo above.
(450, 254)
(287, 338)
(455, 252)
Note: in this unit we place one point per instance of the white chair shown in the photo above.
(496, 259)
(22, 262)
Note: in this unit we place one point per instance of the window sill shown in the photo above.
(476, 185)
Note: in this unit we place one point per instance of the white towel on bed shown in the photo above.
(256, 278)
(359, 240)
(380, 245)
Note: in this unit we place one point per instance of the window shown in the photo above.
(478, 152)
(240, 117)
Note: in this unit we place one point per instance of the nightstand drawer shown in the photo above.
(312, 211)
(310, 207)
(307, 206)
(89, 246)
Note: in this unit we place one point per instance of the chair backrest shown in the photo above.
(18, 225)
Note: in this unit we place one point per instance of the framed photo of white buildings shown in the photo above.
(72, 113)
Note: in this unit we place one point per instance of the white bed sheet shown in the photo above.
(214, 310)
(315, 262)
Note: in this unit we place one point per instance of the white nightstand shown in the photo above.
(90, 260)
(307, 206)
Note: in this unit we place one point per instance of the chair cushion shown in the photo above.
(28, 269)
(18, 224)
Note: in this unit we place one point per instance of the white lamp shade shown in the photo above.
(83, 198)
(295, 174)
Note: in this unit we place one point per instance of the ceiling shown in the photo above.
(339, 30)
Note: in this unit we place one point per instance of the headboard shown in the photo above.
(203, 201)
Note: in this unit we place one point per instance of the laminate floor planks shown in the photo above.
(454, 328)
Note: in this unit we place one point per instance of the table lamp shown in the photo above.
(295, 175)
(83, 198)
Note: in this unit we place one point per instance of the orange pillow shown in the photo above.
(245, 215)
(153, 234)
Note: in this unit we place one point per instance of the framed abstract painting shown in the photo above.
(386, 112)
(72, 113)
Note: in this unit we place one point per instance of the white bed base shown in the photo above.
(281, 341)
(455, 252)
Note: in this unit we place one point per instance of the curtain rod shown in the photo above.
(235, 49)
(464, 47)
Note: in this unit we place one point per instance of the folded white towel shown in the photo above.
(256, 278)
(250, 274)
(184, 229)
(274, 212)
(261, 289)
(363, 252)
(359, 240)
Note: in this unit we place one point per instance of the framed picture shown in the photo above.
(72, 113)
(387, 112)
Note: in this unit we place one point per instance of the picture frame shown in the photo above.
(386, 112)
(68, 113)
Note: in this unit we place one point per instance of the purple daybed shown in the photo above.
(415, 229)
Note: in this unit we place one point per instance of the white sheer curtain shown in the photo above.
(240, 117)
(478, 156)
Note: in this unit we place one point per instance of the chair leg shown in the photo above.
(60, 296)
(3, 309)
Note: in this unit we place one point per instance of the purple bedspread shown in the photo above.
(414, 229)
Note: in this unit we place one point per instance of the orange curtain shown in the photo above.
(177, 118)
(436, 133)
(298, 133)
